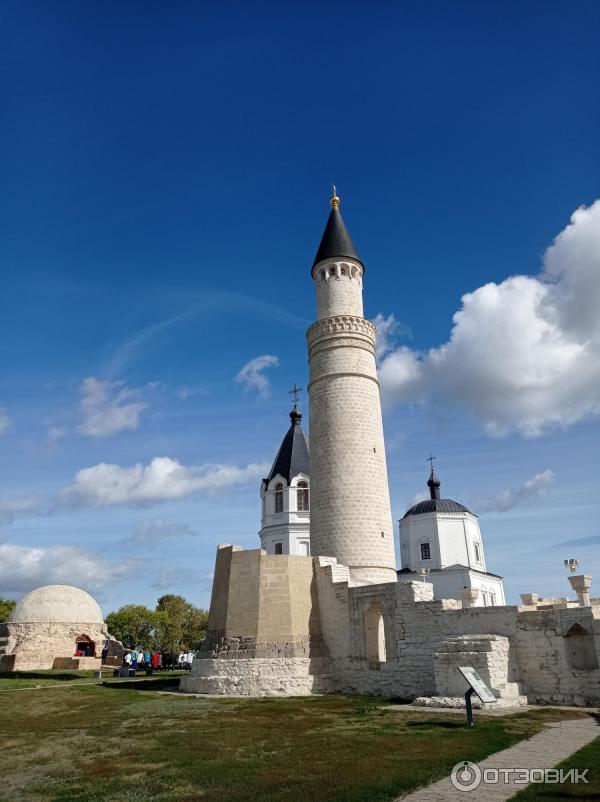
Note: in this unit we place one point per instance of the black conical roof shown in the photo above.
(292, 457)
(336, 241)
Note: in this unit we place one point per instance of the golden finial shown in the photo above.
(335, 201)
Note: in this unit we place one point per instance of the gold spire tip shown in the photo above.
(335, 201)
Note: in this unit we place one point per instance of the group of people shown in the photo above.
(140, 659)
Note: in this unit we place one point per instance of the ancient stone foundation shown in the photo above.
(285, 625)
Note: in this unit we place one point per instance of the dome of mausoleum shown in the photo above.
(60, 604)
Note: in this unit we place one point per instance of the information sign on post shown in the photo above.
(476, 685)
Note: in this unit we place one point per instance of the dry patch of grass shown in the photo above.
(103, 743)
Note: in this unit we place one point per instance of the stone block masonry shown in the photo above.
(350, 507)
(314, 629)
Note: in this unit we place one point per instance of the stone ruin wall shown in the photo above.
(34, 647)
(549, 656)
(287, 625)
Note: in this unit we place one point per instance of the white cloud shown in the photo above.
(388, 328)
(507, 499)
(5, 421)
(23, 568)
(55, 433)
(150, 533)
(163, 479)
(523, 355)
(252, 374)
(186, 392)
(107, 408)
(11, 507)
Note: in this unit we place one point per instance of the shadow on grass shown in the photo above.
(159, 684)
(45, 675)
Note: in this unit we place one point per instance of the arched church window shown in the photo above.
(477, 553)
(279, 497)
(302, 500)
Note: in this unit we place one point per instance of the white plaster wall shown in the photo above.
(291, 527)
(452, 535)
(451, 538)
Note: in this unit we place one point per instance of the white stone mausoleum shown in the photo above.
(49, 626)
(283, 623)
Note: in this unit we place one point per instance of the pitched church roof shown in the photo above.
(292, 457)
(336, 240)
(435, 503)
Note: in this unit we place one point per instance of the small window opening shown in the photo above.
(302, 499)
(425, 552)
(279, 497)
(279, 548)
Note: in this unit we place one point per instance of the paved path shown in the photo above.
(544, 751)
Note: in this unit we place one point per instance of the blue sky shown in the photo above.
(165, 180)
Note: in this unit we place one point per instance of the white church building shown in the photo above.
(285, 495)
(440, 540)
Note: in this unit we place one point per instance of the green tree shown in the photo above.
(6, 608)
(134, 625)
(179, 624)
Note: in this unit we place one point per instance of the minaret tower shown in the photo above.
(350, 501)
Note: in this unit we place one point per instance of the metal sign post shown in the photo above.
(476, 685)
(469, 707)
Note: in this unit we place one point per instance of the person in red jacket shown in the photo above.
(154, 660)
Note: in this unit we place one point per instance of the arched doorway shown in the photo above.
(580, 649)
(375, 637)
(85, 646)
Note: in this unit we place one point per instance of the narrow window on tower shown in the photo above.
(302, 502)
(477, 553)
(279, 498)
(279, 548)
(425, 553)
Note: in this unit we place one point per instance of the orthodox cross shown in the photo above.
(295, 393)
(430, 459)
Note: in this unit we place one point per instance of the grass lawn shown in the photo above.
(99, 743)
(588, 757)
